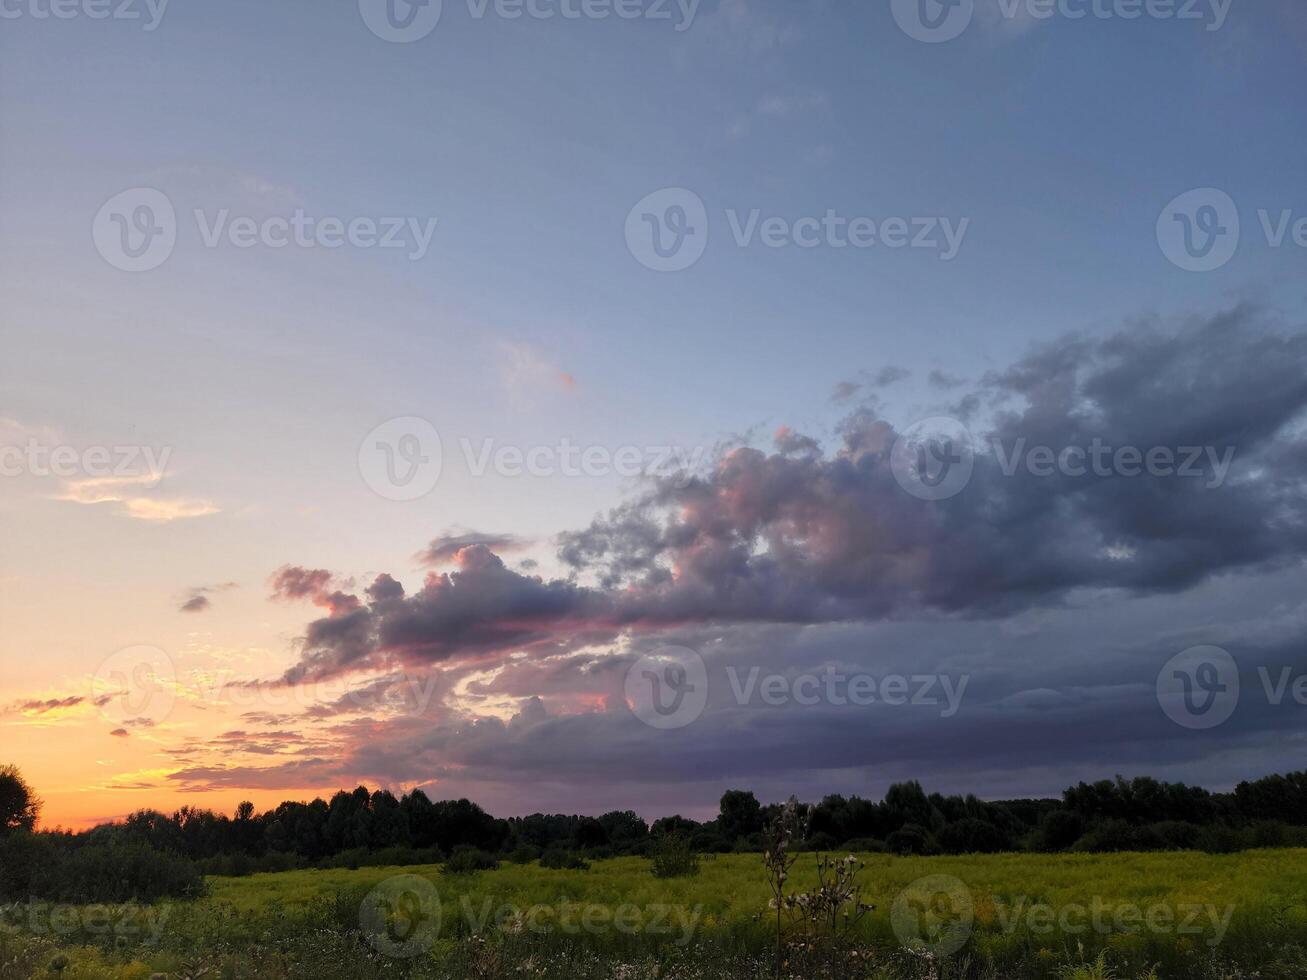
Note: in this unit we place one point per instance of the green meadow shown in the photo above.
(1083, 917)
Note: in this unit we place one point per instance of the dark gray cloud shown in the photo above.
(884, 377)
(942, 379)
(807, 538)
(197, 598)
(294, 582)
(798, 536)
(1059, 597)
(481, 609)
(1071, 696)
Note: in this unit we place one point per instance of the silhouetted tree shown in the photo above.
(19, 805)
(741, 815)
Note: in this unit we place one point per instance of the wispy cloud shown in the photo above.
(445, 548)
(123, 491)
(775, 107)
(527, 373)
(197, 598)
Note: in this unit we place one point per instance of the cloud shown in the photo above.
(445, 548)
(1059, 597)
(527, 373)
(845, 390)
(49, 705)
(746, 28)
(774, 107)
(197, 598)
(890, 374)
(56, 709)
(884, 377)
(798, 536)
(944, 380)
(1020, 730)
(479, 610)
(293, 582)
(830, 538)
(120, 490)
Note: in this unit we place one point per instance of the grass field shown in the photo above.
(1175, 915)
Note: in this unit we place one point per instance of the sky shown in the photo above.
(578, 412)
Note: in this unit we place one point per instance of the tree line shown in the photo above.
(365, 827)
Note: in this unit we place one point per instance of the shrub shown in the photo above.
(118, 872)
(23, 858)
(818, 842)
(673, 857)
(1170, 835)
(523, 854)
(909, 839)
(1219, 839)
(1109, 835)
(467, 860)
(48, 867)
(707, 842)
(557, 859)
(1058, 830)
(386, 857)
(972, 836)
